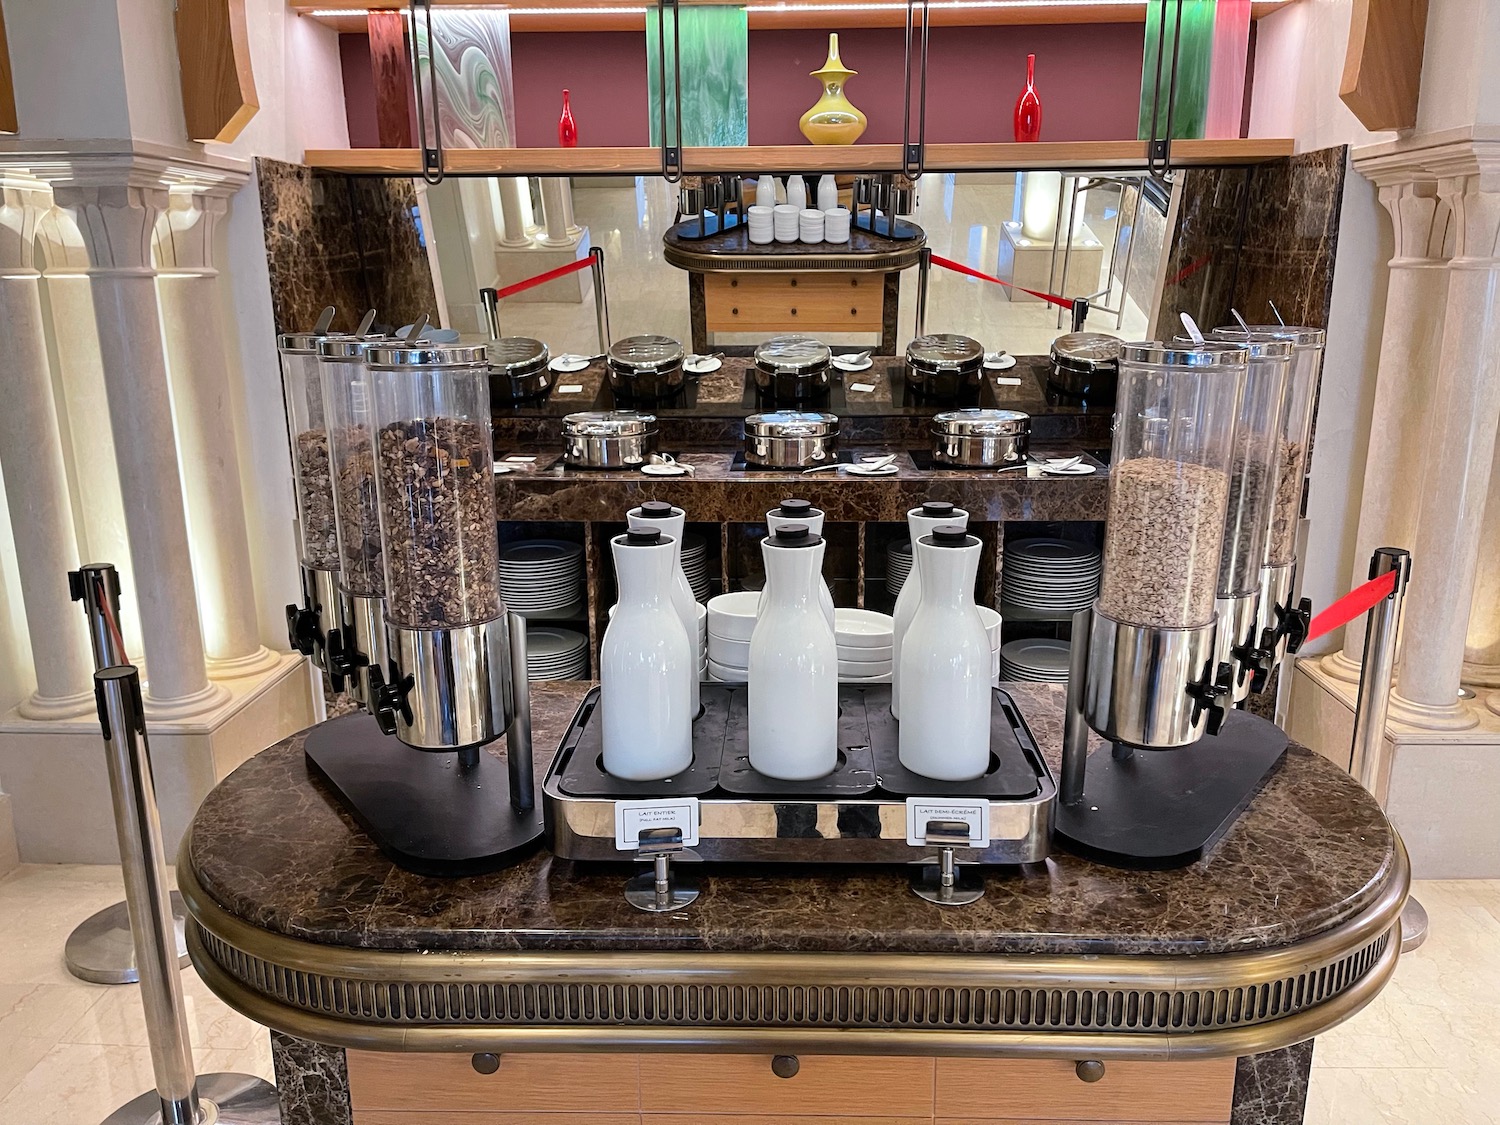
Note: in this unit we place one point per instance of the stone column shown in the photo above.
(513, 211)
(1464, 390)
(570, 221)
(117, 223)
(555, 213)
(36, 478)
(1402, 418)
(192, 326)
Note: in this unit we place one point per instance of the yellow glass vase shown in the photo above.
(833, 121)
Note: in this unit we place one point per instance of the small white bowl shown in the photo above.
(866, 655)
(992, 621)
(863, 628)
(732, 616)
(863, 669)
(726, 675)
(732, 654)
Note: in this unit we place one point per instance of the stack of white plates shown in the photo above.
(1049, 575)
(729, 622)
(836, 224)
(761, 230)
(864, 642)
(542, 578)
(897, 565)
(1039, 660)
(810, 225)
(695, 564)
(786, 222)
(556, 654)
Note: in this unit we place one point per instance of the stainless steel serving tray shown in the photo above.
(855, 815)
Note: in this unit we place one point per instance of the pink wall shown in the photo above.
(605, 74)
(1088, 76)
(359, 91)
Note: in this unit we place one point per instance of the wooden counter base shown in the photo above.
(390, 1089)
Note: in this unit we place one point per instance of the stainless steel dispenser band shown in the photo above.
(363, 625)
(1237, 629)
(456, 683)
(1139, 678)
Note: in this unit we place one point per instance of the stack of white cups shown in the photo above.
(810, 225)
(785, 220)
(836, 224)
(761, 230)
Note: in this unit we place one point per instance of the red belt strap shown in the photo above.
(1359, 600)
(956, 267)
(543, 278)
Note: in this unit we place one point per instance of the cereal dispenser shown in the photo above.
(1283, 618)
(454, 674)
(309, 624)
(1144, 673)
(358, 644)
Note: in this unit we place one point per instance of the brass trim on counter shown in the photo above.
(899, 257)
(1059, 1006)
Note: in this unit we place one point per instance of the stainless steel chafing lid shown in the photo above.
(609, 424)
(304, 343)
(1086, 351)
(349, 347)
(793, 355)
(792, 423)
(398, 353)
(517, 355)
(642, 355)
(944, 351)
(974, 422)
(1211, 353)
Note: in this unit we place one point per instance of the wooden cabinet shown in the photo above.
(684, 1089)
(808, 301)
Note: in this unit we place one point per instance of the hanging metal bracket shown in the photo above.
(671, 153)
(432, 154)
(914, 153)
(1159, 149)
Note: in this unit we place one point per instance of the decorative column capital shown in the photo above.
(117, 224)
(185, 232)
(24, 200)
(1421, 219)
(1474, 199)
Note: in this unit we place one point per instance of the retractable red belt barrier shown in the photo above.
(543, 278)
(1357, 601)
(1050, 298)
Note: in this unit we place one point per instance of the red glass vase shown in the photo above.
(567, 128)
(1029, 106)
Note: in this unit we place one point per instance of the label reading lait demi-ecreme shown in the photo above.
(634, 817)
(922, 811)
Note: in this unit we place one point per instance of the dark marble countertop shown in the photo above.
(271, 846)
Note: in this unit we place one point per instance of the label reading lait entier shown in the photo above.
(632, 817)
(921, 811)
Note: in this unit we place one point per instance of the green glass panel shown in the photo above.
(1194, 52)
(714, 61)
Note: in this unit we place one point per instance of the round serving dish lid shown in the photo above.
(1212, 353)
(975, 422)
(398, 353)
(793, 355)
(945, 351)
(517, 355)
(645, 354)
(609, 424)
(1087, 351)
(792, 424)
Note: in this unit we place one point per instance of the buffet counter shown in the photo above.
(1071, 991)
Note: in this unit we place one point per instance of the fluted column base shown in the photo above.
(44, 708)
(1428, 716)
(1341, 667)
(262, 659)
(1492, 701)
(1481, 675)
(208, 698)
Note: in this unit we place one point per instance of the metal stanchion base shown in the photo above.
(1413, 925)
(640, 892)
(225, 1099)
(927, 883)
(101, 950)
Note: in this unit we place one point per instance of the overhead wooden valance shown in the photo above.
(213, 53)
(1383, 66)
(8, 123)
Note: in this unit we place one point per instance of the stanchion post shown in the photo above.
(138, 826)
(1075, 726)
(601, 297)
(97, 586)
(1368, 762)
(518, 737)
(490, 300)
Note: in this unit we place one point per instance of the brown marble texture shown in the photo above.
(272, 846)
(312, 1082)
(716, 492)
(1271, 1088)
(346, 241)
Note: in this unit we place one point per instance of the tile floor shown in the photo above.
(1424, 1053)
(962, 221)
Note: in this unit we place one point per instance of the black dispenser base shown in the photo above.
(426, 811)
(1159, 809)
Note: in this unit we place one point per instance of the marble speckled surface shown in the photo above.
(312, 1082)
(270, 845)
(1271, 1088)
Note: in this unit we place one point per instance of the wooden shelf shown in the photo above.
(1066, 156)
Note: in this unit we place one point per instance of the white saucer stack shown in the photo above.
(556, 654)
(695, 564)
(865, 641)
(1035, 660)
(810, 225)
(786, 221)
(761, 229)
(542, 578)
(836, 224)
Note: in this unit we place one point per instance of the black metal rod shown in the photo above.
(518, 760)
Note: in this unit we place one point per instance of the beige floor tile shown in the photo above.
(17, 1058)
(44, 1011)
(74, 1084)
(118, 1019)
